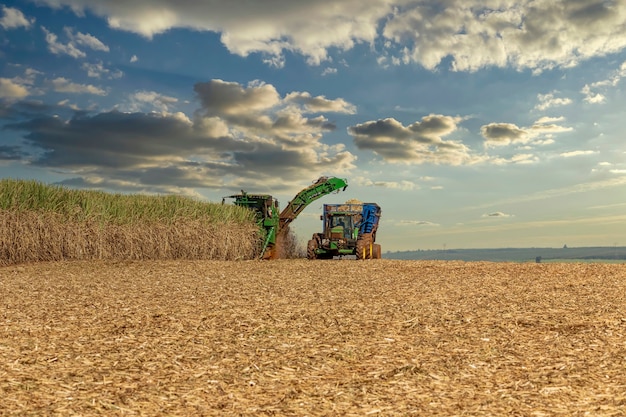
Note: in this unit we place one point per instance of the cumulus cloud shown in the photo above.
(501, 134)
(419, 142)
(233, 99)
(504, 134)
(9, 89)
(258, 109)
(271, 28)
(19, 86)
(13, 18)
(539, 35)
(470, 34)
(238, 138)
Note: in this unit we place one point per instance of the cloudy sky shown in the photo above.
(474, 124)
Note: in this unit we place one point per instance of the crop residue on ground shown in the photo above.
(296, 337)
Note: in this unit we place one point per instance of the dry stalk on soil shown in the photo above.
(295, 338)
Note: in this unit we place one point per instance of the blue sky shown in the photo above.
(473, 124)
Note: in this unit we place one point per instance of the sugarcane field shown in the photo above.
(140, 306)
(320, 208)
(317, 338)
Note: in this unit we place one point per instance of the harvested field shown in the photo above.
(294, 337)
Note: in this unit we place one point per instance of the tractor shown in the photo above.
(348, 229)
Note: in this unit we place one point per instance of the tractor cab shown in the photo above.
(341, 226)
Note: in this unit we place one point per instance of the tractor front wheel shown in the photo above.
(310, 249)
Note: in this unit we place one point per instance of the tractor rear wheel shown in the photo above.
(363, 249)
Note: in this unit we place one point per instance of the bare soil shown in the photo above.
(316, 338)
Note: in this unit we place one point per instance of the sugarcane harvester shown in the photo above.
(273, 223)
(348, 229)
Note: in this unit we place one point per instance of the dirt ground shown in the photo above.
(312, 338)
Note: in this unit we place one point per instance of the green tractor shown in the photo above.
(348, 229)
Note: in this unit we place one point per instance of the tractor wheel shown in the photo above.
(363, 249)
(378, 251)
(310, 249)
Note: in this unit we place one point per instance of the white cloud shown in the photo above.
(155, 100)
(577, 153)
(540, 133)
(549, 100)
(85, 39)
(275, 61)
(13, 19)
(417, 143)
(58, 48)
(593, 92)
(134, 58)
(242, 137)
(71, 48)
(63, 85)
(546, 125)
(502, 134)
(516, 159)
(320, 103)
(591, 96)
(98, 70)
(9, 89)
(308, 28)
(537, 34)
(423, 142)
(20, 86)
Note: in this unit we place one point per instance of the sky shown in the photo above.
(472, 123)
